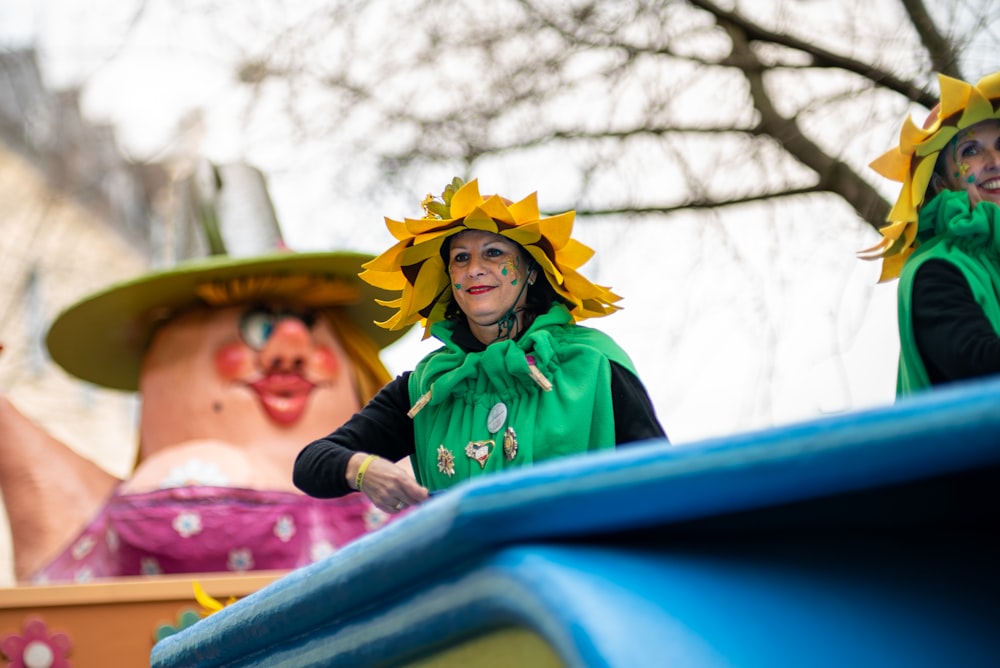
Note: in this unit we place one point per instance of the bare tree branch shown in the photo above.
(834, 175)
(698, 204)
(821, 57)
(940, 50)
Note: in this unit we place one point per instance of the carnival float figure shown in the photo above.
(239, 357)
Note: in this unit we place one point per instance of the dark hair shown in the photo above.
(939, 176)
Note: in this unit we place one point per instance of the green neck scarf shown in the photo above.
(545, 395)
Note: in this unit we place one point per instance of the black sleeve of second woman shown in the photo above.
(955, 339)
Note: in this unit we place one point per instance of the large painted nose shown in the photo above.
(287, 349)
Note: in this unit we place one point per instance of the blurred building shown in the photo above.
(75, 216)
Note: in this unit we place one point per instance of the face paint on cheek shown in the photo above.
(231, 359)
(510, 267)
(458, 286)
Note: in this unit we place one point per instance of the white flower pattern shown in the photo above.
(187, 524)
(284, 528)
(240, 560)
(83, 547)
(374, 518)
(321, 550)
(150, 566)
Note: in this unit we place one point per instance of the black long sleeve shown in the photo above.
(955, 339)
(383, 428)
(635, 419)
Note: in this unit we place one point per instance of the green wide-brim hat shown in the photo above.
(102, 338)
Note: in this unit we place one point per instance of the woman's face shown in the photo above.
(972, 162)
(488, 274)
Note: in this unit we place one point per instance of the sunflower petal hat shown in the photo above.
(912, 161)
(415, 269)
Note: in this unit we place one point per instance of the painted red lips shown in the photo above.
(283, 396)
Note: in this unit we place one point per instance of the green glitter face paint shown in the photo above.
(458, 286)
(510, 267)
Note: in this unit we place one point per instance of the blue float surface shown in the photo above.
(850, 540)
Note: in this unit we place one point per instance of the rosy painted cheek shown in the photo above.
(326, 361)
(231, 360)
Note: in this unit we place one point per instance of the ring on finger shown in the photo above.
(399, 506)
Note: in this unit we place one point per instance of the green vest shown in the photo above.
(487, 411)
(968, 240)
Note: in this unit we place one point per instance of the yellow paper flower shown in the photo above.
(414, 266)
(912, 162)
(209, 605)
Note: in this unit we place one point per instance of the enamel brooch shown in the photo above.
(446, 461)
(509, 444)
(479, 451)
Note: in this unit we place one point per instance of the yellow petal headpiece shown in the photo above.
(912, 162)
(415, 268)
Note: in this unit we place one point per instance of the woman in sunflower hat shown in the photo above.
(517, 380)
(943, 241)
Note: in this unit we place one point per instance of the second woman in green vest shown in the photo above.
(516, 381)
(943, 240)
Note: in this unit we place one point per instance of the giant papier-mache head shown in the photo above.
(415, 265)
(239, 258)
(912, 161)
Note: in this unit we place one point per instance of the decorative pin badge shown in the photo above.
(497, 416)
(480, 451)
(446, 461)
(509, 444)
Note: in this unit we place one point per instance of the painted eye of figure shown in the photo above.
(257, 324)
(256, 327)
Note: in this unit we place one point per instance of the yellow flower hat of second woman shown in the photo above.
(415, 268)
(912, 161)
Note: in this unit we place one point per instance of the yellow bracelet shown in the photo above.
(361, 471)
